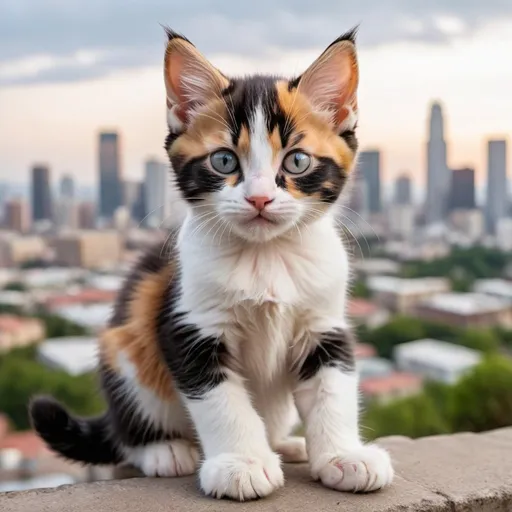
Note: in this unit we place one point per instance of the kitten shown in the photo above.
(215, 352)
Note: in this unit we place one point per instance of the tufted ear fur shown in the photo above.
(330, 83)
(190, 79)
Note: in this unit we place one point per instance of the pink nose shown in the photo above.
(259, 202)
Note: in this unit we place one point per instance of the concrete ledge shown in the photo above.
(459, 473)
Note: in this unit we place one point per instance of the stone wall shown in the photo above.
(459, 473)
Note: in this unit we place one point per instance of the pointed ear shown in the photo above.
(190, 79)
(330, 83)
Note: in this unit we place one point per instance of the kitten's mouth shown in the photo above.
(260, 220)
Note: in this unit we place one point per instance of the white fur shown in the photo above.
(166, 416)
(178, 457)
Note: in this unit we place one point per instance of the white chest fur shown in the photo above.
(265, 299)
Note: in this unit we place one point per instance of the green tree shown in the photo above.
(22, 377)
(484, 340)
(359, 289)
(400, 329)
(412, 417)
(482, 400)
(15, 286)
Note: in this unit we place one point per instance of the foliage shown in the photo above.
(15, 286)
(22, 377)
(360, 290)
(402, 329)
(481, 400)
(57, 326)
(462, 266)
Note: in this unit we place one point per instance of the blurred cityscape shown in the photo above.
(431, 296)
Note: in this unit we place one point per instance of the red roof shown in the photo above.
(361, 308)
(89, 296)
(28, 443)
(4, 426)
(394, 382)
(10, 323)
(363, 351)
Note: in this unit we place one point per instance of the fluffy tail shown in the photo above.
(83, 440)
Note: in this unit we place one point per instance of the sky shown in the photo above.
(69, 68)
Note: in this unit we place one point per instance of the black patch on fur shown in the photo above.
(326, 171)
(243, 97)
(196, 361)
(194, 178)
(280, 181)
(151, 262)
(172, 34)
(335, 350)
(349, 136)
(84, 440)
(129, 426)
(171, 137)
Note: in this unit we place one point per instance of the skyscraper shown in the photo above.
(41, 193)
(403, 186)
(438, 177)
(67, 187)
(497, 196)
(16, 215)
(462, 190)
(156, 197)
(111, 190)
(369, 167)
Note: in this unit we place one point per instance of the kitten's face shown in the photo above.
(261, 156)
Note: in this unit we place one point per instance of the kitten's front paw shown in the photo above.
(364, 469)
(241, 477)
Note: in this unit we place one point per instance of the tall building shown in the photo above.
(369, 166)
(86, 215)
(462, 190)
(438, 177)
(497, 195)
(111, 189)
(67, 186)
(41, 194)
(16, 215)
(403, 190)
(156, 196)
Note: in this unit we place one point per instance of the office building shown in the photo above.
(41, 194)
(403, 190)
(462, 190)
(497, 194)
(438, 177)
(88, 249)
(369, 167)
(86, 215)
(67, 187)
(16, 216)
(111, 189)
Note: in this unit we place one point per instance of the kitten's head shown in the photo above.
(260, 154)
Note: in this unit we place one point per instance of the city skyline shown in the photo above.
(434, 53)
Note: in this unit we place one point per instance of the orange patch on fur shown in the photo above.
(137, 339)
(319, 138)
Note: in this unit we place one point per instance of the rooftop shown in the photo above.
(361, 308)
(86, 296)
(465, 303)
(402, 286)
(75, 355)
(91, 316)
(495, 287)
(433, 474)
(439, 353)
(396, 381)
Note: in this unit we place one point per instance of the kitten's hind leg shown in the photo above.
(178, 457)
(281, 419)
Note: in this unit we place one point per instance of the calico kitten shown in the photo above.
(212, 352)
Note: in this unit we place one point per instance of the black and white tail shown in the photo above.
(84, 440)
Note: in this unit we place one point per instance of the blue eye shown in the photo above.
(296, 162)
(224, 161)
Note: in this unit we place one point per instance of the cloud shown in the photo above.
(127, 34)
